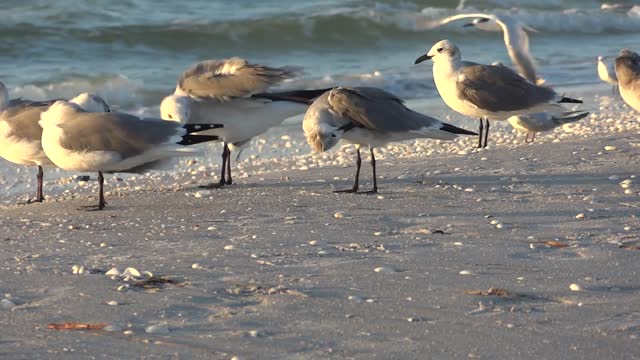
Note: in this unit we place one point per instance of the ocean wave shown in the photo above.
(340, 28)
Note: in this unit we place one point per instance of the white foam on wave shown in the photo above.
(116, 89)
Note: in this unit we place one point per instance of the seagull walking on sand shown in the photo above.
(20, 133)
(231, 92)
(368, 116)
(628, 73)
(538, 122)
(516, 39)
(487, 91)
(77, 140)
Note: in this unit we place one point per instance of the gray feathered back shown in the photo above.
(232, 77)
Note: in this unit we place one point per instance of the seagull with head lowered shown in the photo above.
(487, 91)
(20, 133)
(628, 73)
(516, 39)
(77, 140)
(368, 116)
(231, 92)
(539, 122)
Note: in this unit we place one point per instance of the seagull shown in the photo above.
(20, 133)
(77, 140)
(515, 35)
(607, 73)
(368, 116)
(486, 91)
(232, 92)
(628, 73)
(538, 122)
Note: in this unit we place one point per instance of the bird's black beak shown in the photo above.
(422, 58)
(468, 25)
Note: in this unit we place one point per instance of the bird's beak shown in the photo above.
(422, 58)
(468, 25)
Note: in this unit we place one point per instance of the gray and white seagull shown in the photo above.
(628, 73)
(231, 92)
(368, 116)
(77, 140)
(487, 91)
(20, 133)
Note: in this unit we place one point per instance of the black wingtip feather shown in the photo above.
(456, 130)
(570, 100)
(197, 139)
(191, 128)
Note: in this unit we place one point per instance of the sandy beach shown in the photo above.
(517, 251)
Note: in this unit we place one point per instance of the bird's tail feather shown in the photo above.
(194, 128)
(197, 139)
(570, 116)
(456, 130)
(565, 99)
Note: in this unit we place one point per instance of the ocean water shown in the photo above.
(132, 51)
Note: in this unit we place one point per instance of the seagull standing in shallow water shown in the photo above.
(368, 116)
(231, 92)
(21, 135)
(486, 91)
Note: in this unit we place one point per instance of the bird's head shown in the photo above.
(176, 108)
(91, 103)
(443, 50)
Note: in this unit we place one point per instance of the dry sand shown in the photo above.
(279, 267)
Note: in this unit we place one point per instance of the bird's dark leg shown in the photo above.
(357, 180)
(101, 202)
(486, 134)
(229, 180)
(528, 139)
(480, 133)
(375, 177)
(39, 194)
(225, 158)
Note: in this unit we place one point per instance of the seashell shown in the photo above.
(384, 270)
(132, 272)
(111, 328)
(157, 329)
(7, 304)
(113, 272)
(575, 287)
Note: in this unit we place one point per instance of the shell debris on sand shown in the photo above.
(157, 329)
(7, 304)
(385, 270)
(575, 287)
(339, 215)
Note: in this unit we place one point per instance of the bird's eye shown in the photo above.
(440, 50)
(333, 135)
